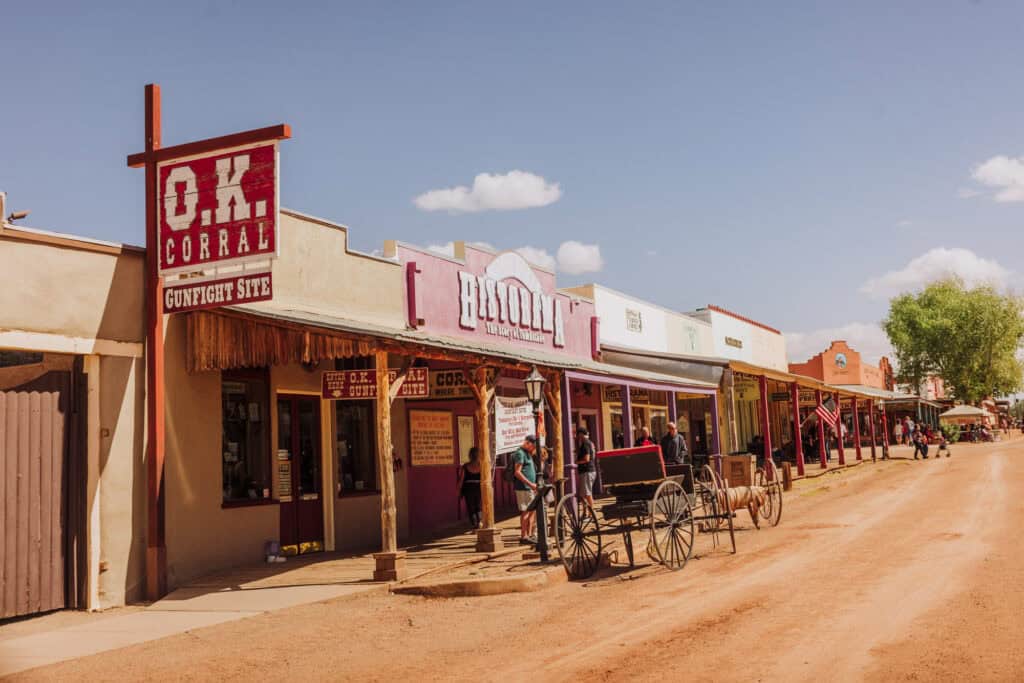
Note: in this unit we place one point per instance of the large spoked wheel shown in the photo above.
(671, 525)
(577, 537)
(771, 510)
(711, 494)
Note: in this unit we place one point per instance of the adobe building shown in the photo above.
(842, 364)
(72, 474)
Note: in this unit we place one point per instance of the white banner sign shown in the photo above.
(513, 422)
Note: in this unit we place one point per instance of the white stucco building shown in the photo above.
(736, 337)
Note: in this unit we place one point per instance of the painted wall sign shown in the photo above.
(505, 309)
(734, 342)
(746, 389)
(499, 300)
(513, 422)
(218, 209)
(634, 320)
(612, 393)
(431, 437)
(362, 384)
(184, 295)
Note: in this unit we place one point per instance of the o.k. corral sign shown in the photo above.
(218, 227)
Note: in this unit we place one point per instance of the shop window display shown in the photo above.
(245, 451)
(355, 447)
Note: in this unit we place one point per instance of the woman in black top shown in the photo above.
(469, 486)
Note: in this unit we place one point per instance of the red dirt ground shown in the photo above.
(897, 571)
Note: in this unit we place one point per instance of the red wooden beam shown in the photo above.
(856, 430)
(839, 429)
(798, 442)
(822, 455)
(281, 131)
(156, 549)
(871, 421)
(766, 431)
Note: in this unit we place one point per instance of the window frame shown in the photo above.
(354, 493)
(249, 374)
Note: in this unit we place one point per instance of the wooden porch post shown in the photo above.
(488, 538)
(856, 430)
(822, 452)
(553, 398)
(871, 421)
(798, 442)
(390, 562)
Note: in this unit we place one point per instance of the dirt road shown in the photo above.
(900, 571)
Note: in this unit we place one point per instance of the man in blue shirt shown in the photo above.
(525, 484)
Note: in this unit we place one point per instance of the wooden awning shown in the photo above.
(220, 341)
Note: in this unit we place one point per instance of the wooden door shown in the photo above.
(34, 426)
(298, 447)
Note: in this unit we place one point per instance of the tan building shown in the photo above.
(71, 393)
(228, 460)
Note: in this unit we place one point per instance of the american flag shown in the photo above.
(825, 412)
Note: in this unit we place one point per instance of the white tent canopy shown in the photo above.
(966, 412)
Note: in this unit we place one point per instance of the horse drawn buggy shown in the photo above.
(672, 503)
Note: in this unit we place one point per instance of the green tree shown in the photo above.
(969, 337)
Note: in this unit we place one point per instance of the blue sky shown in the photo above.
(771, 158)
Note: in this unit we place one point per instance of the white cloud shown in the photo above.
(573, 257)
(936, 264)
(904, 223)
(967, 193)
(867, 338)
(538, 257)
(492, 192)
(576, 258)
(1005, 174)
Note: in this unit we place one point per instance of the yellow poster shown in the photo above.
(431, 437)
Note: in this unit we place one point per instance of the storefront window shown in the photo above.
(245, 450)
(355, 447)
(618, 434)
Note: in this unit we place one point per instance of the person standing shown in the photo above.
(586, 465)
(525, 484)
(644, 439)
(673, 447)
(897, 432)
(469, 486)
(908, 429)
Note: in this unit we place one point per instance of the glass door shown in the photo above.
(299, 475)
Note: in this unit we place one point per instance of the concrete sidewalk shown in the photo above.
(223, 597)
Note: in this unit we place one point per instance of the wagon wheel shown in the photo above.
(728, 512)
(712, 498)
(671, 525)
(577, 537)
(772, 508)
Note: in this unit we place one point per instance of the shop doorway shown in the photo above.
(298, 462)
(587, 418)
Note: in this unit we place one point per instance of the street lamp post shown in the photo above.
(535, 392)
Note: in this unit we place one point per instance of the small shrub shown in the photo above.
(952, 432)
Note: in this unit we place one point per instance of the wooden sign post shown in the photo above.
(202, 213)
